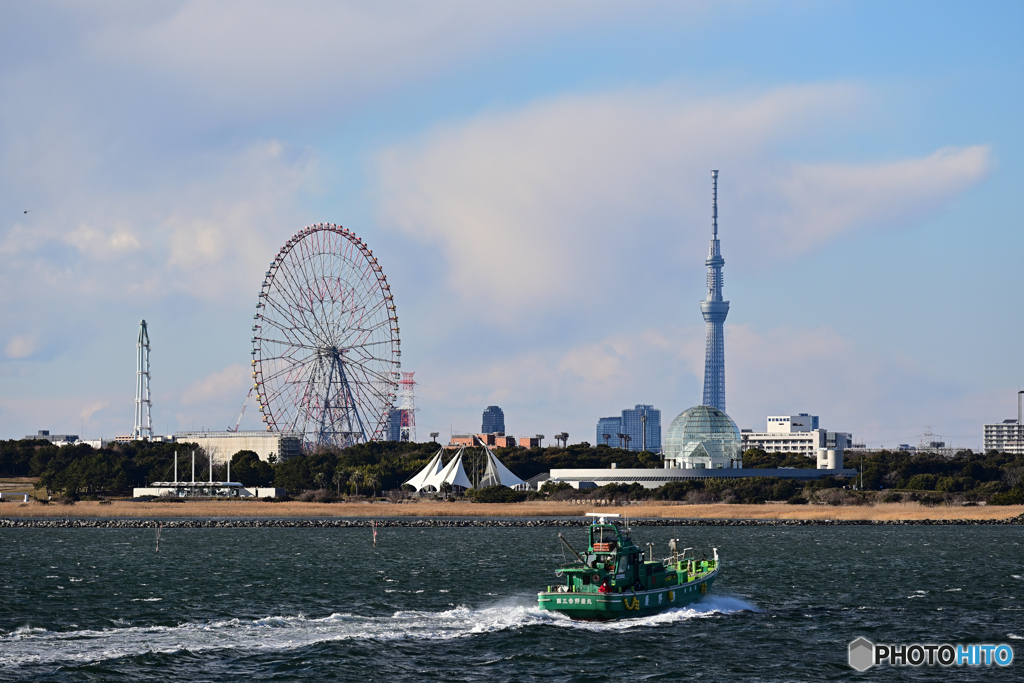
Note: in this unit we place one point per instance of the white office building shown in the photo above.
(796, 434)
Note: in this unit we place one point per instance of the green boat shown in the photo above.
(614, 580)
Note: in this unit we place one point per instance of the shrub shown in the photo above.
(830, 496)
(700, 497)
(797, 500)
(1014, 496)
(892, 497)
(922, 482)
(496, 494)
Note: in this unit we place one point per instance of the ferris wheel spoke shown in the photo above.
(288, 314)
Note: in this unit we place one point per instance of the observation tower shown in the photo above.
(714, 311)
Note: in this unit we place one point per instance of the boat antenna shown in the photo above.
(571, 549)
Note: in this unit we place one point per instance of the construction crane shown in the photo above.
(241, 412)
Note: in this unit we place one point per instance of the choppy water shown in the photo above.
(459, 604)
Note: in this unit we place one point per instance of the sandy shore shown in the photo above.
(199, 509)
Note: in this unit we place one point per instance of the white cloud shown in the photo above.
(91, 409)
(568, 201)
(22, 346)
(221, 387)
(209, 236)
(883, 398)
(824, 200)
(278, 56)
(98, 244)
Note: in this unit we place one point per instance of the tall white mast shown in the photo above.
(143, 405)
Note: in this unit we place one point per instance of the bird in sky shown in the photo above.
(28, 210)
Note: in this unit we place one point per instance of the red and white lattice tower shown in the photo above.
(408, 407)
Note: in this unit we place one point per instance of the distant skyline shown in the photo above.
(534, 180)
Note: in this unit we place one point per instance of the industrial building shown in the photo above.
(636, 429)
(221, 446)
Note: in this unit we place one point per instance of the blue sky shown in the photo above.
(534, 178)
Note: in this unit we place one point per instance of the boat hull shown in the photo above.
(607, 606)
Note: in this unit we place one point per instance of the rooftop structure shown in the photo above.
(714, 310)
(788, 424)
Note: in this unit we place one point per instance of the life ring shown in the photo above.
(596, 578)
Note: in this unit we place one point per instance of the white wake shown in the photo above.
(27, 646)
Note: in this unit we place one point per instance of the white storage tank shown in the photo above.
(835, 459)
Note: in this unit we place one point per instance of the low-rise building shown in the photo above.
(221, 446)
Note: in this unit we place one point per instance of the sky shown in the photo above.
(534, 178)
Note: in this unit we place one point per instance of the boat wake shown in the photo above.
(35, 646)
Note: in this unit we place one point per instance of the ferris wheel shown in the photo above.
(325, 347)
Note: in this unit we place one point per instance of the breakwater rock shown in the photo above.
(458, 523)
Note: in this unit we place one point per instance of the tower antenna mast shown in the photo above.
(143, 428)
(714, 310)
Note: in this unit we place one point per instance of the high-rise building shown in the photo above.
(642, 424)
(1007, 436)
(493, 421)
(395, 418)
(714, 310)
(608, 430)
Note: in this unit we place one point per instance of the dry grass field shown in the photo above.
(245, 508)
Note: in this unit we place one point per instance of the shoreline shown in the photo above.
(247, 513)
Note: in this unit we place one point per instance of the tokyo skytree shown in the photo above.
(714, 311)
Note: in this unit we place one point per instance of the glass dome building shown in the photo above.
(703, 437)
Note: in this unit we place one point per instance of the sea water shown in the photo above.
(447, 604)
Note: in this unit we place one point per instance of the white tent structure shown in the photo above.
(434, 475)
(431, 471)
(496, 474)
(431, 477)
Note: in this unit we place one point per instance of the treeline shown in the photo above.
(382, 466)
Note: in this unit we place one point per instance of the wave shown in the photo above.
(34, 646)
